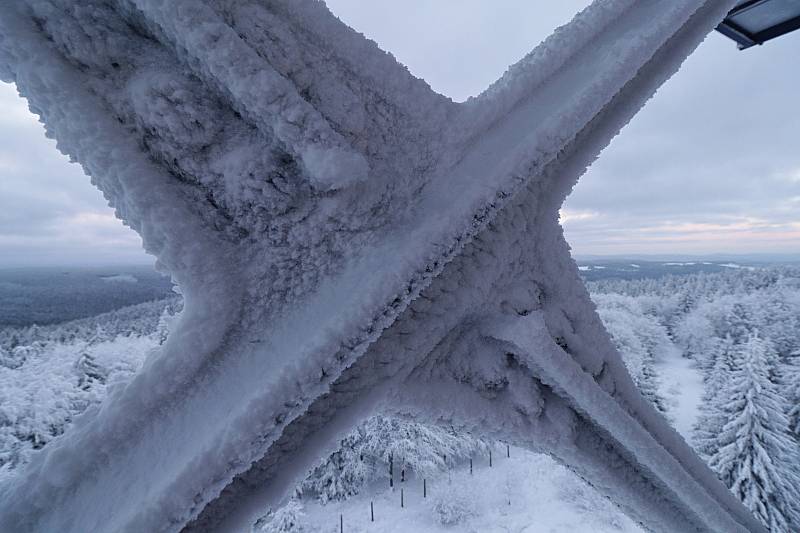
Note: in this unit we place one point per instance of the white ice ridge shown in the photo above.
(346, 240)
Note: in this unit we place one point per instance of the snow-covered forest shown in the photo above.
(717, 353)
(51, 374)
(737, 331)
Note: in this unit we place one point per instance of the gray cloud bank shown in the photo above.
(711, 164)
(50, 214)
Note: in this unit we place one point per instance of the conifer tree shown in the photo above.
(754, 448)
(712, 417)
(791, 391)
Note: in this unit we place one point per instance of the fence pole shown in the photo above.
(371, 512)
(402, 503)
(341, 524)
(490, 458)
(470, 466)
(391, 470)
(424, 488)
(508, 451)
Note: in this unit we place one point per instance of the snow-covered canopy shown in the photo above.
(347, 241)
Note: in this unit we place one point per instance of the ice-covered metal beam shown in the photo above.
(340, 233)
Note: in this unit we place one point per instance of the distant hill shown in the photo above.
(618, 268)
(51, 295)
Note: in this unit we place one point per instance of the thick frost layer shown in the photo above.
(337, 227)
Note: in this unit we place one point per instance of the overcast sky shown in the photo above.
(711, 165)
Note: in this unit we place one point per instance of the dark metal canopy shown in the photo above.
(754, 22)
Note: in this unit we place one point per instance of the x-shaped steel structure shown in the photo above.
(347, 241)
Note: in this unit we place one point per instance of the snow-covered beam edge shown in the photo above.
(624, 484)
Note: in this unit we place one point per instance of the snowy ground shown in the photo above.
(681, 384)
(526, 493)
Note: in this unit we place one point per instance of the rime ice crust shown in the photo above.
(332, 222)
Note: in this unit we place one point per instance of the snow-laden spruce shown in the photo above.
(712, 420)
(719, 321)
(389, 449)
(640, 339)
(754, 445)
(346, 241)
(790, 380)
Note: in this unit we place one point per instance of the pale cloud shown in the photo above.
(567, 216)
(793, 175)
(730, 236)
(88, 218)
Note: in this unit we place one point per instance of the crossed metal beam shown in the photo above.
(346, 241)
